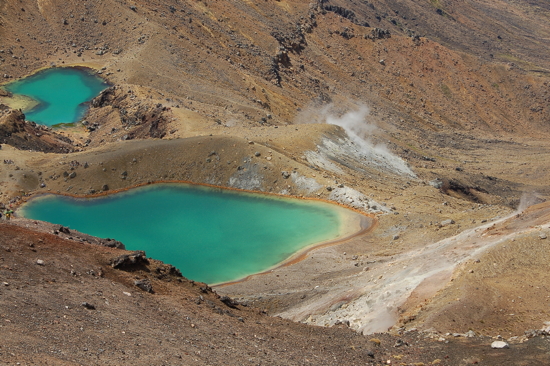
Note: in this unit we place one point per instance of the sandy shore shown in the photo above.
(352, 224)
(19, 101)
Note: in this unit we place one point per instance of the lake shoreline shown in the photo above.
(351, 222)
(36, 100)
(367, 225)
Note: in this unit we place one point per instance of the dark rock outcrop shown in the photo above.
(144, 285)
(25, 135)
(130, 260)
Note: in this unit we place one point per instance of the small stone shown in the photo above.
(447, 222)
(436, 183)
(542, 236)
(257, 153)
(40, 262)
(399, 343)
(395, 237)
(87, 305)
(229, 302)
(500, 344)
(145, 285)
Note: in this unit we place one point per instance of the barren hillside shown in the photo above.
(431, 117)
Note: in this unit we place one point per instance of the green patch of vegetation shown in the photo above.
(446, 91)
(496, 86)
(508, 57)
(522, 64)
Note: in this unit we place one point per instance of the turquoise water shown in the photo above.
(211, 235)
(61, 93)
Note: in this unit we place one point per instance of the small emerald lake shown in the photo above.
(211, 235)
(57, 95)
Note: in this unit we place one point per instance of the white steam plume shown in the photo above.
(528, 199)
(359, 130)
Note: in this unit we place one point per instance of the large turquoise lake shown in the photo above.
(60, 94)
(211, 235)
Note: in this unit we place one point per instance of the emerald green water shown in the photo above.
(61, 93)
(211, 235)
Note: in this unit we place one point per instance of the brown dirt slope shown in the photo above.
(237, 61)
(457, 89)
(63, 303)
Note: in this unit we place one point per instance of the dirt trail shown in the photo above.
(394, 288)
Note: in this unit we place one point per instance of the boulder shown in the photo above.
(436, 183)
(129, 260)
(144, 285)
(89, 306)
(229, 302)
(378, 33)
(499, 345)
(111, 243)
